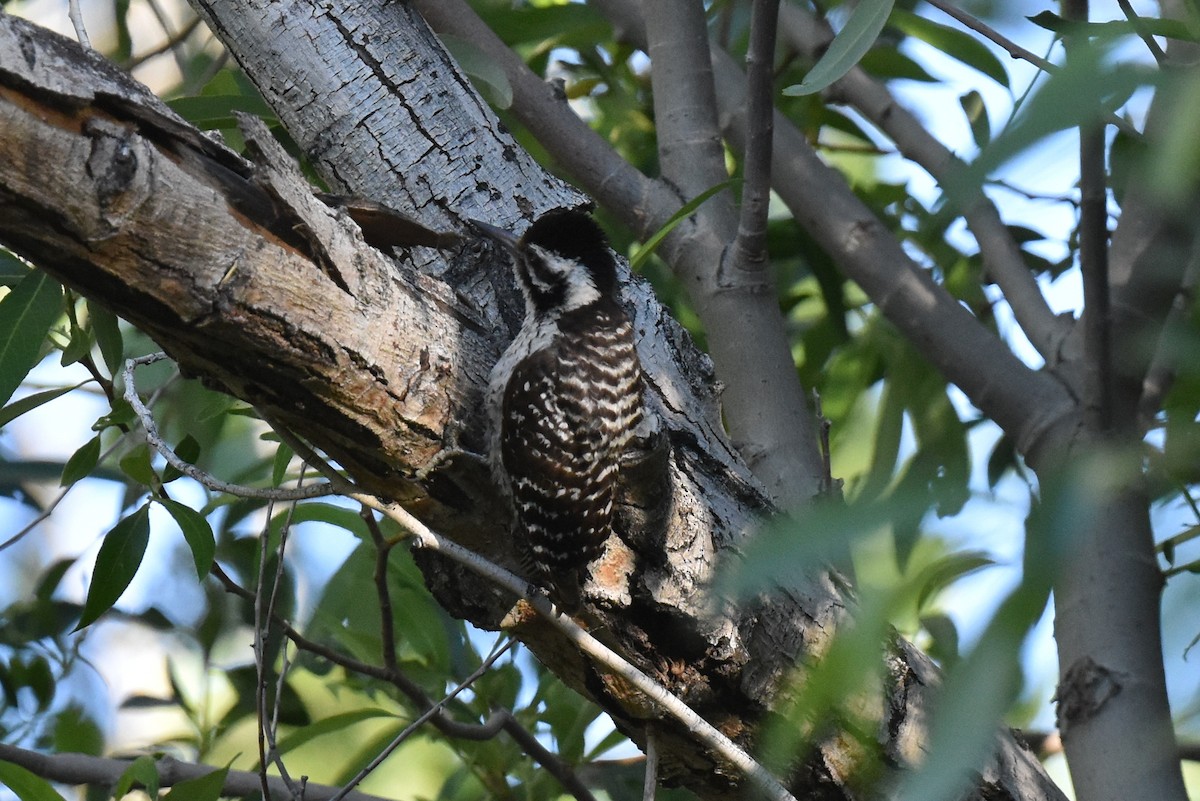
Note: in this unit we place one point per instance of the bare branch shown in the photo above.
(1093, 255)
(75, 12)
(750, 250)
(1027, 404)
(101, 771)
(685, 111)
(1001, 254)
(412, 728)
(190, 470)
(1140, 26)
(423, 537)
(990, 33)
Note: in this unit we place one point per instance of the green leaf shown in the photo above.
(26, 315)
(483, 71)
(976, 111)
(216, 111)
(328, 726)
(82, 462)
(196, 531)
(75, 732)
(116, 564)
(108, 336)
(847, 48)
(656, 239)
(79, 345)
(142, 772)
(957, 44)
(12, 269)
(136, 465)
(945, 571)
(202, 788)
(1167, 28)
(26, 785)
(188, 450)
(283, 457)
(30, 402)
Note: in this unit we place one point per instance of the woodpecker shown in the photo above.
(564, 399)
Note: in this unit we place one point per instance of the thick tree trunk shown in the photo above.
(260, 290)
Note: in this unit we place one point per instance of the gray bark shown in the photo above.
(260, 290)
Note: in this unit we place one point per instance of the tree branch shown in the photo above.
(750, 249)
(1030, 406)
(763, 402)
(267, 294)
(83, 769)
(1001, 254)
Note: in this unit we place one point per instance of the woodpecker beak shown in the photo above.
(498, 235)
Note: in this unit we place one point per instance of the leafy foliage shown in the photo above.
(903, 441)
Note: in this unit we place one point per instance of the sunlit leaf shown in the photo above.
(26, 314)
(329, 725)
(116, 564)
(27, 786)
(851, 43)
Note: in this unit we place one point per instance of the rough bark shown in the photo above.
(260, 290)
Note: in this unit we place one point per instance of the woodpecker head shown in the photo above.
(562, 262)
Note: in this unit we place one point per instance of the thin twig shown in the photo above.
(190, 470)
(75, 12)
(1140, 26)
(981, 27)
(49, 510)
(170, 44)
(260, 638)
(750, 248)
(273, 727)
(416, 724)
(500, 720)
(1016, 51)
(650, 785)
(424, 537)
(383, 550)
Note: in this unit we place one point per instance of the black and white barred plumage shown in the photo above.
(564, 399)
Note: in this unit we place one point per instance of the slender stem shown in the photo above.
(1143, 31)
(75, 13)
(981, 27)
(411, 728)
(190, 470)
(387, 625)
(750, 249)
